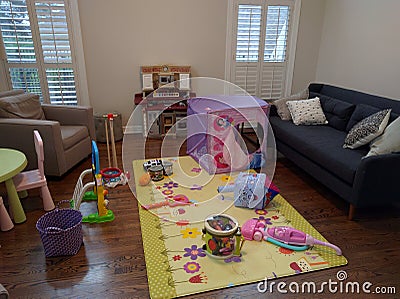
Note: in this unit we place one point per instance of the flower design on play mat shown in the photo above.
(167, 192)
(199, 278)
(196, 187)
(194, 252)
(176, 257)
(196, 169)
(170, 185)
(190, 233)
(261, 212)
(226, 178)
(265, 220)
(191, 267)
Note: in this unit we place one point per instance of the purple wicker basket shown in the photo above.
(61, 232)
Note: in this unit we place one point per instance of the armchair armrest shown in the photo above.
(375, 180)
(18, 134)
(71, 115)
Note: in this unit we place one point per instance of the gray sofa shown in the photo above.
(318, 150)
(66, 131)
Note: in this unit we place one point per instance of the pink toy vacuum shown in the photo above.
(283, 236)
(294, 239)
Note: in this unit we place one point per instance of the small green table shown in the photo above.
(12, 162)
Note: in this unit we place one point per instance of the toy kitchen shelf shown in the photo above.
(162, 112)
(165, 90)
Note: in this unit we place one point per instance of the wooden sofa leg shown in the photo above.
(352, 211)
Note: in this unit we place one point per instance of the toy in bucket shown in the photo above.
(61, 231)
(112, 175)
(82, 193)
(222, 236)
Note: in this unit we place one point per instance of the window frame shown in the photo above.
(77, 54)
(231, 39)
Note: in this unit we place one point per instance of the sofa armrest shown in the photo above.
(375, 180)
(18, 134)
(272, 110)
(71, 115)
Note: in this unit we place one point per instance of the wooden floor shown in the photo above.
(111, 262)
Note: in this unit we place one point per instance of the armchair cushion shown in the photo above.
(10, 92)
(72, 135)
(23, 105)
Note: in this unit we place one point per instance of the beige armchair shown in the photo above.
(66, 131)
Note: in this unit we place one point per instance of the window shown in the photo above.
(259, 58)
(37, 39)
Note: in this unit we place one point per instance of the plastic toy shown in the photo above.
(251, 190)
(222, 236)
(112, 175)
(177, 200)
(283, 236)
(144, 179)
(286, 236)
(82, 193)
(212, 127)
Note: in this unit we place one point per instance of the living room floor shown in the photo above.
(111, 262)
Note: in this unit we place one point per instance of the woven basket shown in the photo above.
(61, 232)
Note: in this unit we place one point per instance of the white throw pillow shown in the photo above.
(388, 142)
(367, 129)
(281, 107)
(307, 112)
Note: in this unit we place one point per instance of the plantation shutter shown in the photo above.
(37, 42)
(260, 56)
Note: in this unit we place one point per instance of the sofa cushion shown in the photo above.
(337, 112)
(282, 108)
(72, 135)
(367, 129)
(307, 112)
(360, 112)
(322, 145)
(388, 142)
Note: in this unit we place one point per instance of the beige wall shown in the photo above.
(308, 41)
(351, 43)
(360, 46)
(120, 36)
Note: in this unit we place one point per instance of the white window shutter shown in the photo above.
(260, 42)
(37, 42)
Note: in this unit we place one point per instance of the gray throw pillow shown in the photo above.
(367, 129)
(25, 105)
(388, 142)
(281, 106)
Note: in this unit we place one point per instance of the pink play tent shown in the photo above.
(213, 137)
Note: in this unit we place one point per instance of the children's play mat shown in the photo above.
(177, 265)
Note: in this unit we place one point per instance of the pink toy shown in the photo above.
(291, 236)
(213, 135)
(178, 200)
(283, 236)
(253, 229)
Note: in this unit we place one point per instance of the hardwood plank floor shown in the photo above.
(111, 262)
